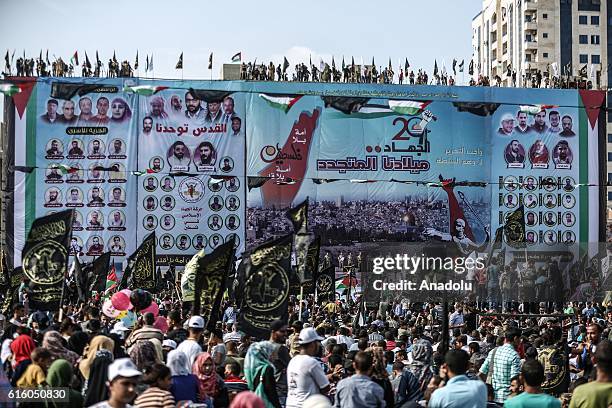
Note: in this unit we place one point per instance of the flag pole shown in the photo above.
(61, 303)
(301, 299)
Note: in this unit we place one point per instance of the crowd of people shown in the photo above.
(301, 72)
(364, 220)
(402, 355)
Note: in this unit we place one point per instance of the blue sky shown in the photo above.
(268, 30)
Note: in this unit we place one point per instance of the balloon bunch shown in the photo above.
(124, 305)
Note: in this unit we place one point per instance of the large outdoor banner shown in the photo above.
(383, 167)
(191, 148)
(391, 172)
(84, 152)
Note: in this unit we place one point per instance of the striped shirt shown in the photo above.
(506, 365)
(374, 337)
(155, 397)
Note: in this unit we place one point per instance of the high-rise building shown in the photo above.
(563, 37)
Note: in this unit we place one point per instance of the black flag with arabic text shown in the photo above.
(11, 295)
(299, 217)
(307, 259)
(45, 258)
(211, 281)
(266, 287)
(325, 284)
(96, 273)
(140, 272)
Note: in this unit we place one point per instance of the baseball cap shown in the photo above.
(196, 322)
(169, 343)
(120, 328)
(123, 367)
(308, 335)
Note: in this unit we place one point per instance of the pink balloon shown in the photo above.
(109, 310)
(161, 323)
(128, 293)
(153, 308)
(120, 301)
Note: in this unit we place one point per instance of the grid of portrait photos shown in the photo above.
(193, 147)
(540, 172)
(84, 162)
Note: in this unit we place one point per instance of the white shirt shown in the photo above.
(305, 377)
(340, 339)
(191, 349)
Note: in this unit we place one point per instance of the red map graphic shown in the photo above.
(288, 165)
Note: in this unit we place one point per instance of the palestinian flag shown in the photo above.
(237, 57)
(111, 279)
(75, 59)
(143, 172)
(283, 103)
(144, 90)
(65, 169)
(408, 107)
(535, 109)
(9, 89)
(346, 281)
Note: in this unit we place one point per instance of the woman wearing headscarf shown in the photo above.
(143, 354)
(415, 379)
(210, 384)
(95, 389)
(54, 342)
(21, 348)
(247, 399)
(185, 386)
(259, 372)
(96, 344)
(422, 352)
(120, 111)
(380, 375)
(60, 375)
(77, 342)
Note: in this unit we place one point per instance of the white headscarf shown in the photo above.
(178, 363)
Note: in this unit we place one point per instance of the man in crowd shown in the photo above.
(504, 363)
(359, 390)
(598, 393)
(123, 378)
(191, 346)
(459, 391)
(305, 376)
(532, 377)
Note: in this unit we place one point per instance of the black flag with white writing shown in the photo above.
(299, 217)
(45, 258)
(11, 296)
(266, 287)
(307, 259)
(97, 271)
(211, 281)
(140, 272)
(325, 284)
